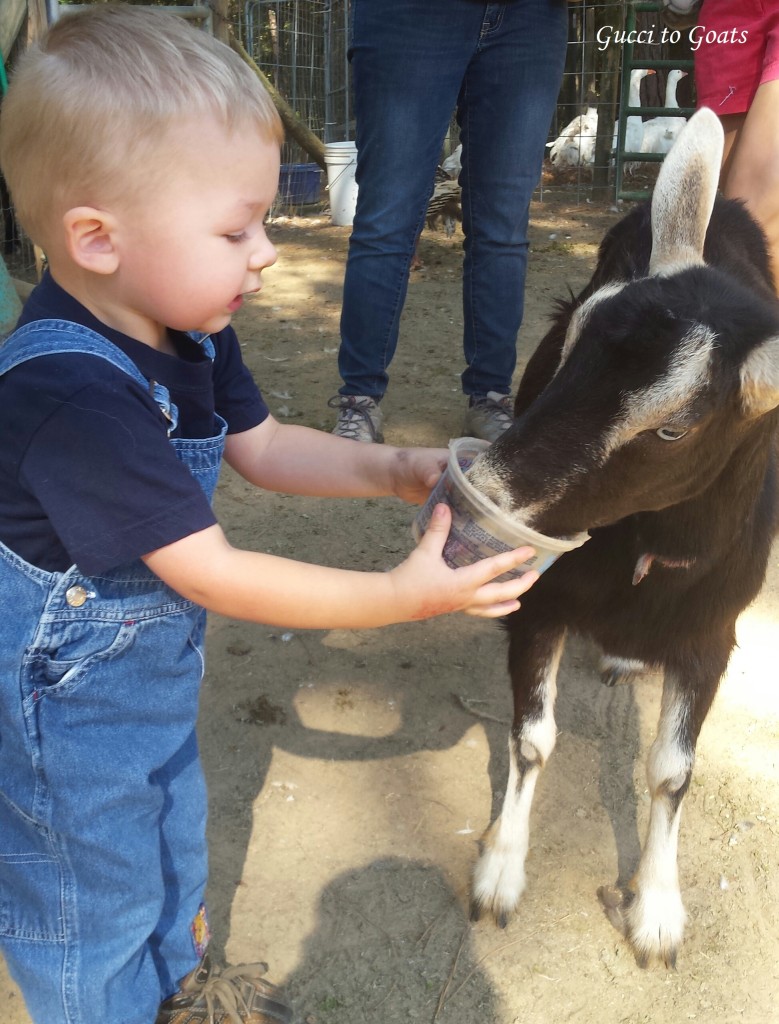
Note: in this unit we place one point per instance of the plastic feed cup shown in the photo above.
(479, 528)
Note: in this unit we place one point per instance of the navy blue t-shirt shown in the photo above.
(87, 474)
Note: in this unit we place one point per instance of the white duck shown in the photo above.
(634, 128)
(576, 142)
(660, 132)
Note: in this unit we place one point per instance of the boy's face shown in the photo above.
(197, 244)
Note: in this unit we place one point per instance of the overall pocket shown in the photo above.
(30, 879)
(70, 650)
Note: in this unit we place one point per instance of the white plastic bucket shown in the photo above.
(479, 528)
(341, 161)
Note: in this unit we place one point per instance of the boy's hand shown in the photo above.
(416, 471)
(439, 589)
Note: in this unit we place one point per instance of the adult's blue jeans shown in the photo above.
(414, 62)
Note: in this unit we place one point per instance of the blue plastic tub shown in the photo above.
(299, 184)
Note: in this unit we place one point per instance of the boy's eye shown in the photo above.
(240, 236)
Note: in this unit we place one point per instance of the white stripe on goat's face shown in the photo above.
(670, 399)
(493, 478)
(581, 315)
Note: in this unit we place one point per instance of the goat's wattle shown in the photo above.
(646, 561)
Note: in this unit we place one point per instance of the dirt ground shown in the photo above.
(349, 771)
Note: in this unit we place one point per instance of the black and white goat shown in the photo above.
(648, 416)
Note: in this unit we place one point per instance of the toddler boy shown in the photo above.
(143, 157)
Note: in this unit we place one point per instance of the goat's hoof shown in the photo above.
(614, 902)
(498, 883)
(651, 937)
(500, 916)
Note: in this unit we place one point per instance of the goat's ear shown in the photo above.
(684, 195)
(760, 379)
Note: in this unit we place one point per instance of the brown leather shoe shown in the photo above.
(238, 995)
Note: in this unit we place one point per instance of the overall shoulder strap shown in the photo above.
(53, 337)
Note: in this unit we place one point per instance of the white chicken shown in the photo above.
(452, 165)
(660, 132)
(575, 144)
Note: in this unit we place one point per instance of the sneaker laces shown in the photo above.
(500, 406)
(354, 414)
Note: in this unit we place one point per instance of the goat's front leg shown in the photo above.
(650, 912)
(499, 877)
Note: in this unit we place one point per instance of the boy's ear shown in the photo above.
(90, 239)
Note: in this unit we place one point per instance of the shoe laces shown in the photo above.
(221, 990)
(354, 413)
(501, 407)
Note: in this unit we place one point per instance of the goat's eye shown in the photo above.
(670, 433)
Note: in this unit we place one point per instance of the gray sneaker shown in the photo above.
(359, 418)
(489, 416)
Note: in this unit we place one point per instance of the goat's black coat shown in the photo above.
(681, 530)
(726, 529)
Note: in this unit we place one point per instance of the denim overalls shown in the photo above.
(102, 798)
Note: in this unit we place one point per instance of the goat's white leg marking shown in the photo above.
(655, 917)
(499, 876)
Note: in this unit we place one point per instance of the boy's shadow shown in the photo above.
(391, 943)
(237, 753)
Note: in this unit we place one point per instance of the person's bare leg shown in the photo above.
(732, 125)
(750, 169)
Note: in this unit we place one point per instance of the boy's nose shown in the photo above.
(263, 256)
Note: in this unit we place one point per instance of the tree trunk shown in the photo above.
(300, 132)
(220, 10)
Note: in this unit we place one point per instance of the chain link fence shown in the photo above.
(301, 45)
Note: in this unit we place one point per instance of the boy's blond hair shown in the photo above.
(88, 107)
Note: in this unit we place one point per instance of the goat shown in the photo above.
(648, 416)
